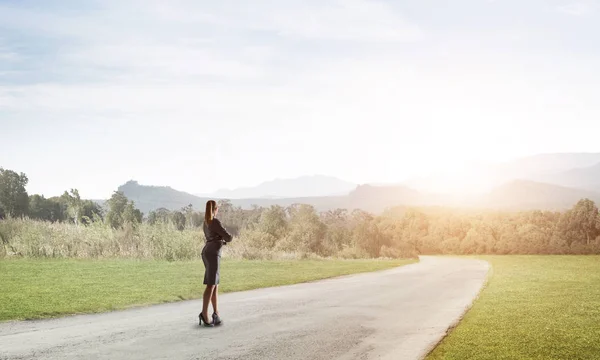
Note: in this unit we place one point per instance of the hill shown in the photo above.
(546, 182)
(550, 163)
(304, 186)
(527, 195)
(147, 198)
(585, 178)
(481, 177)
(514, 195)
(366, 197)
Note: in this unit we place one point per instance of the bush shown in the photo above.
(353, 252)
(389, 252)
(451, 245)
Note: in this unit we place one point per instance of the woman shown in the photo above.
(216, 237)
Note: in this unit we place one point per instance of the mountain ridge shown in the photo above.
(515, 195)
(302, 186)
(543, 181)
(587, 178)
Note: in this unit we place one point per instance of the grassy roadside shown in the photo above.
(533, 307)
(33, 289)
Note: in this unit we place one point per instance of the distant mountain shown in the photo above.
(585, 178)
(378, 198)
(305, 186)
(515, 195)
(526, 195)
(550, 163)
(147, 198)
(366, 197)
(545, 182)
(483, 177)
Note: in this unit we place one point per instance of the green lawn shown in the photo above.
(31, 289)
(533, 307)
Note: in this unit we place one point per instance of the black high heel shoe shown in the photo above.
(216, 320)
(202, 320)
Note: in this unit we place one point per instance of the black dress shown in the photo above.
(216, 237)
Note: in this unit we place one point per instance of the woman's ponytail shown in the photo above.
(209, 215)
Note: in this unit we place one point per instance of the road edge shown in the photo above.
(456, 322)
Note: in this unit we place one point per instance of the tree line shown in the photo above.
(69, 207)
(300, 228)
(15, 202)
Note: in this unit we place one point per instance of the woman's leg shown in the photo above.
(214, 300)
(208, 293)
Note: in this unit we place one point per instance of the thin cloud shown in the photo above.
(8, 55)
(189, 40)
(577, 9)
(277, 74)
(348, 20)
(357, 20)
(162, 60)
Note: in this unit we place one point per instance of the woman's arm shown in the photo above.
(219, 229)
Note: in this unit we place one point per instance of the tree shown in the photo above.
(116, 207)
(231, 216)
(306, 230)
(415, 225)
(91, 211)
(273, 221)
(44, 209)
(364, 233)
(580, 223)
(131, 215)
(531, 240)
(14, 200)
(179, 220)
(190, 219)
(59, 208)
(160, 215)
(263, 228)
(338, 232)
(37, 207)
(74, 205)
(225, 206)
(197, 219)
(586, 220)
(121, 211)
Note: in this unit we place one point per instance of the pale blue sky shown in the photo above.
(201, 95)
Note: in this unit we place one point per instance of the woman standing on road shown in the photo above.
(216, 237)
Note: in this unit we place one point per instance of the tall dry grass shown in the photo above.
(29, 238)
(38, 239)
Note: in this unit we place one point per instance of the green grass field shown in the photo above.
(533, 307)
(32, 289)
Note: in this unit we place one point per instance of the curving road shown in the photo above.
(394, 314)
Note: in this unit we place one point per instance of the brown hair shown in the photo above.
(209, 215)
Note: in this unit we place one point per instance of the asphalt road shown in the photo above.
(394, 314)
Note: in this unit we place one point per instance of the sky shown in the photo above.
(204, 95)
